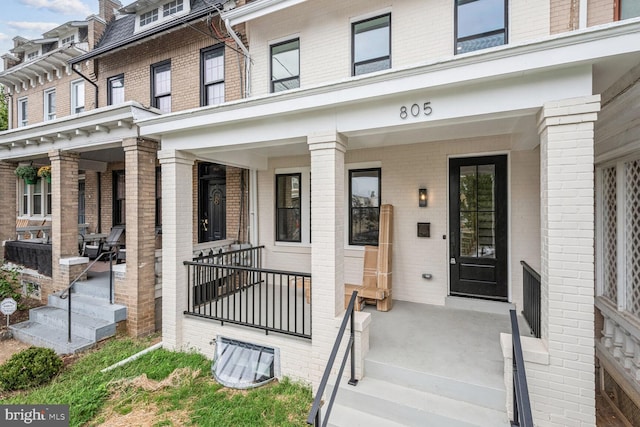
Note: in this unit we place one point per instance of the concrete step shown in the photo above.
(41, 335)
(345, 416)
(476, 394)
(96, 286)
(97, 308)
(86, 327)
(410, 407)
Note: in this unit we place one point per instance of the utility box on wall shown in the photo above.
(424, 229)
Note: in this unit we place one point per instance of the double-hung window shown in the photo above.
(115, 90)
(288, 207)
(480, 24)
(371, 45)
(285, 65)
(77, 96)
(364, 206)
(161, 86)
(148, 17)
(172, 7)
(49, 104)
(22, 112)
(36, 198)
(626, 9)
(212, 75)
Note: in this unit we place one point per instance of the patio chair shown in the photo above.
(110, 243)
(368, 290)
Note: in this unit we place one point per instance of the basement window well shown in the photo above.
(243, 365)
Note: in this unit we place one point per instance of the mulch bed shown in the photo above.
(20, 315)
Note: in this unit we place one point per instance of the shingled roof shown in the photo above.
(120, 32)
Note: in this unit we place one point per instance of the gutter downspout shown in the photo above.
(582, 17)
(89, 80)
(247, 58)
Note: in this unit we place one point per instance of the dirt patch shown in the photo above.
(20, 315)
(146, 416)
(180, 376)
(10, 347)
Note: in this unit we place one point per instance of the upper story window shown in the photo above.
(212, 75)
(161, 86)
(288, 205)
(32, 55)
(115, 90)
(371, 45)
(69, 39)
(172, 7)
(364, 206)
(148, 17)
(626, 9)
(49, 104)
(77, 96)
(285, 65)
(22, 112)
(480, 24)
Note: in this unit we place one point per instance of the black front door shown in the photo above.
(478, 227)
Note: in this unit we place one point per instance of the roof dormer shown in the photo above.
(150, 13)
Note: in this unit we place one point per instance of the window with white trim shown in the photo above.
(49, 104)
(77, 96)
(22, 112)
(36, 198)
(172, 7)
(148, 17)
(33, 55)
(364, 206)
(69, 39)
(618, 234)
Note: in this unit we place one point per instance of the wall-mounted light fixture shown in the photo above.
(422, 197)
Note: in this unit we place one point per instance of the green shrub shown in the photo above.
(29, 368)
(10, 284)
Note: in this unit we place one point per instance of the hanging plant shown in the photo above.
(45, 173)
(27, 172)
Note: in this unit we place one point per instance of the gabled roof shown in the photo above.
(64, 28)
(120, 31)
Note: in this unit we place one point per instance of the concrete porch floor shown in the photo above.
(462, 345)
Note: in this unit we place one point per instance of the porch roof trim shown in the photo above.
(257, 9)
(100, 121)
(561, 51)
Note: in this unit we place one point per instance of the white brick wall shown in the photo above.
(421, 31)
(564, 394)
(405, 168)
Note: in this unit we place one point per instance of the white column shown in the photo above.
(327, 251)
(567, 267)
(177, 241)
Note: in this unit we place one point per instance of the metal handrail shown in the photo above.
(314, 417)
(521, 404)
(66, 293)
(531, 298)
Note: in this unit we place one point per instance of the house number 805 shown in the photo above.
(415, 110)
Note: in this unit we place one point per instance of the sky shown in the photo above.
(31, 18)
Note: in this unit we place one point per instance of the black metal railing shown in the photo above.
(315, 417)
(271, 300)
(66, 293)
(531, 297)
(521, 405)
(246, 257)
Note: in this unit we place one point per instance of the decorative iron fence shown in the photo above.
(239, 293)
(247, 257)
(531, 297)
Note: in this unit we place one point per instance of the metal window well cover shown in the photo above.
(242, 365)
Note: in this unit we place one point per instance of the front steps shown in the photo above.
(395, 396)
(93, 319)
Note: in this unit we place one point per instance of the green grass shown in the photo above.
(93, 396)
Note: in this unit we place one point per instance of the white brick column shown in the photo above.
(567, 266)
(327, 252)
(177, 241)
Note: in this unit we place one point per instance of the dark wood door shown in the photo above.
(216, 211)
(478, 227)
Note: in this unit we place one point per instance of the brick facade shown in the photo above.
(8, 207)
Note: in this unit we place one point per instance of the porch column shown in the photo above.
(177, 241)
(567, 267)
(139, 286)
(8, 207)
(327, 252)
(65, 260)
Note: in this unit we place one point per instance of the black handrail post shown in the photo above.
(69, 318)
(353, 381)
(111, 277)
